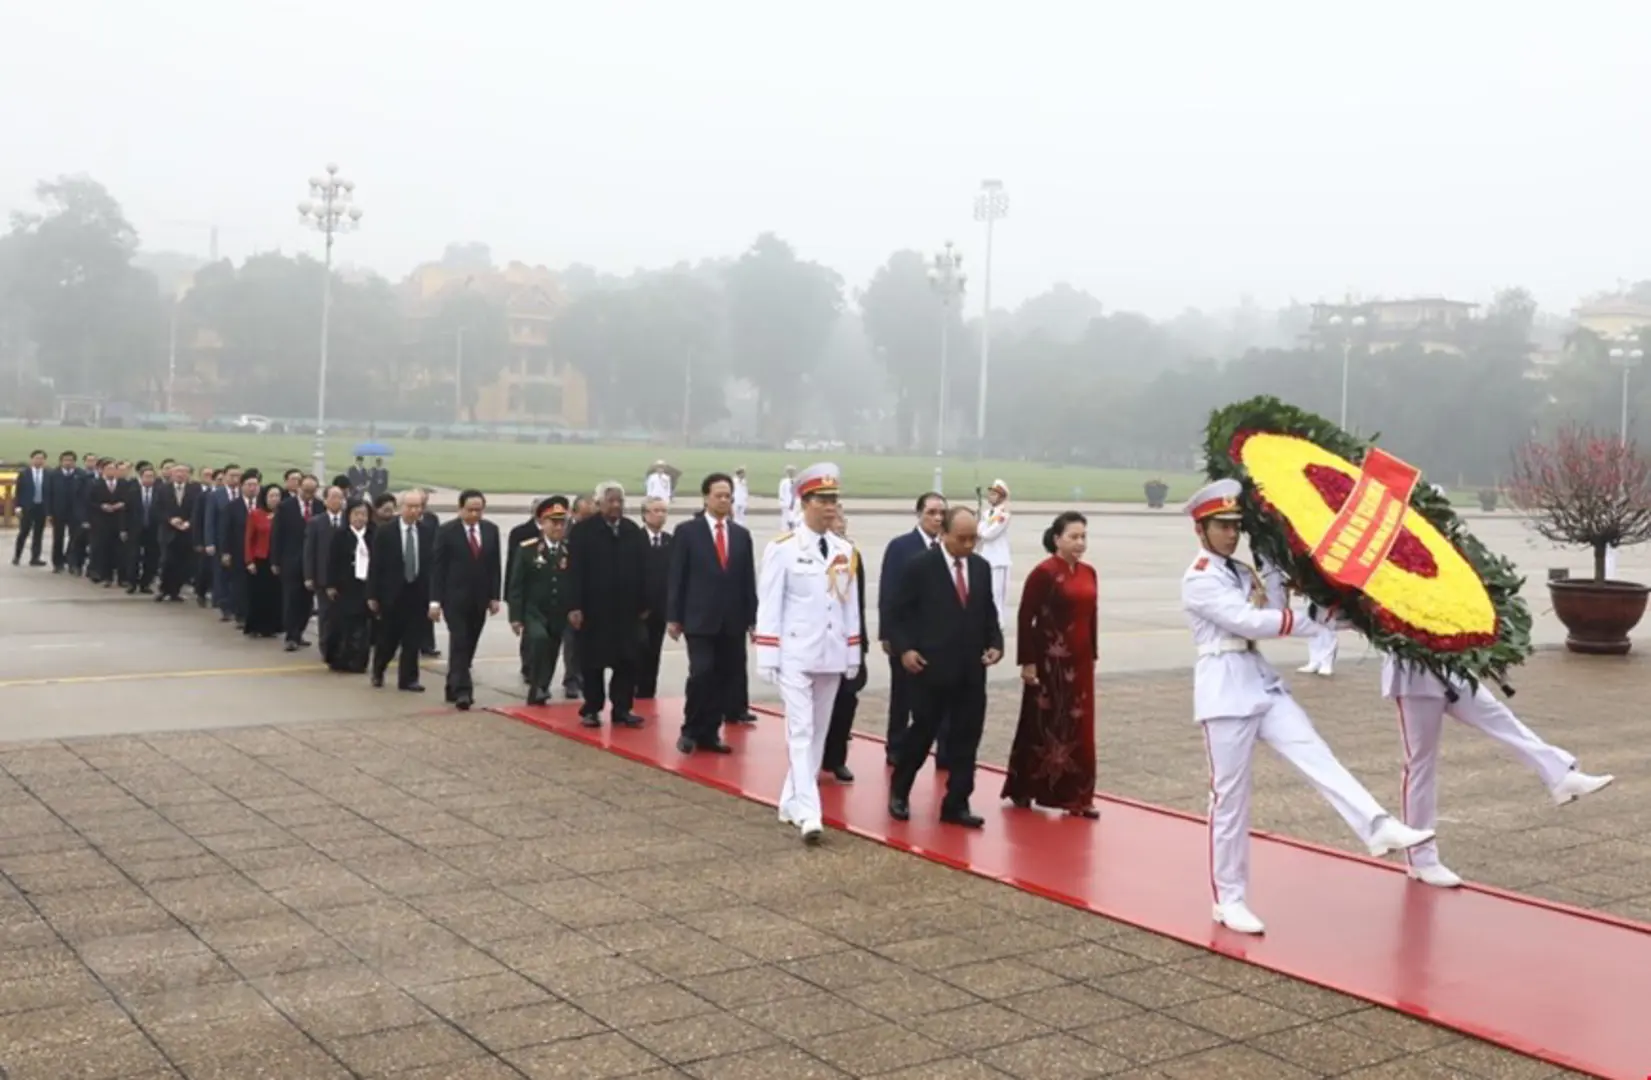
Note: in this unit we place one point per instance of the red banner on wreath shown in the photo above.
(1365, 529)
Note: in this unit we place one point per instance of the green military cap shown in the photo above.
(555, 507)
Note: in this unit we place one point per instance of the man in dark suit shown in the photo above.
(217, 509)
(318, 536)
(607, 562)
(464, 589)
(32, 497)
(518, 539)
(286, 555)
(847, 702)
(656, 576)
(946, 633)
(711, 596)
(141, 531)
(203, 562)
(63, 501)
(900, 551)
(398, 592)
(179, 497)
(232, 542)
(429, 521)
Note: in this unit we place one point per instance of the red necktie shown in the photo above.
(475, 545)
(722, 546)
(306, 510)
(958, 580)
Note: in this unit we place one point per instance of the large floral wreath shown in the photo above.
(1440, 599)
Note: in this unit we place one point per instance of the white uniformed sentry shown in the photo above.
(658, 484)
(807, 639)
(742, 498)
(1424, 701)
(992, 544)
(1238, 698)
(787, 518)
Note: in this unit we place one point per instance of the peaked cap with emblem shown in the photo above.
(555, 507)
(822, 479)
(1216, 502)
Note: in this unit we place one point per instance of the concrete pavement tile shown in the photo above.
(71, 905)
(726, 923)
(167, 841)
(119, 954)
(748, 986)
(504, 1030)
(1053, 1057)
(936, 952)
(647, 933)
(595, 975)
(778, 946)
(67, 986)
(384, 1052)
(215, 898)
(309, 1062)
(482, 1068)
(37, 833)
(1235, 1016)
(382, 1008)
(162, 870)
(1227, 973)
(64, 1025)
(843, 968)
(484, 993)
(1150, 946)
(264, 1033)
(1305, 999)
(908, 994)
(71, 871)
(811, 1015)
(1089, 961)
(1232, 1062)
(499, 862)
(1070, 1006)
(880, 1048)
(207, 1005)
(594, 1057)
(696, 1038)
(1148, 1037)
(1395, 1029)
(654, 1003)
(1159, 988)
(82, 927)
(978, 1027)
(108, 1058)
(999, 978)
(1404, 1068)
(410, 875)
(765, 1064)
(1326, 1049)
(379, 912)
(1470, 1057)
(311, 987)
(547, 951)
(694, 955)
(265, 837)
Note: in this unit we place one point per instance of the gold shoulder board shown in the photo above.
(530, 543)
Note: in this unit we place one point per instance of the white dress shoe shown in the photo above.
(1307, 669)
(1327, 671)
(1239, 919)
(1575, 784)
(1394, 835)
(813, 833)
(1440, 877)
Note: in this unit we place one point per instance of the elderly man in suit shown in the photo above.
(931, 505)
(398, 592)
(318, 536)
(946, 633)
(464, 589)
(711, 598)
(656, 573)
(286, 544)
(607, 563)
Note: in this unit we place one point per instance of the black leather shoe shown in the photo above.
(685, 745)
(464, 702)
(536, 697)
(842, 774)
(590, 719)
(718, 747)
(627, 719)
(378, 681)
(962, 817)
(899, 809)
(412, 688)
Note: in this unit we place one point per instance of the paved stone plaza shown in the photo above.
(217, 861)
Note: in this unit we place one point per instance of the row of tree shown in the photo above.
(768, 344)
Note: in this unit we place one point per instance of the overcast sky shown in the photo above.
(1159, 154)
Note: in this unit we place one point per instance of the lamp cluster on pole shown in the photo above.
(948, 280)
(1353, 325)
(991, 206)
(1626, 353)
(330, 210)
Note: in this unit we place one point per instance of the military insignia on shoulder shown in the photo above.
(531, 543)
(1202, 563)
(783, 537)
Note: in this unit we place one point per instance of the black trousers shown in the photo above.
(323, 617)
(716, 664)
(621, 690)
(31, 523)
(174, 563)
(296, 601)
(400, 631)
(106, 556)
(233, 599)
(647, 668)
(842, 720)
(961, 703)
(573, 663)
(464, 633)
(739, 685)
(899, 707)
(143, 558)
(79, 545)
(205, 573)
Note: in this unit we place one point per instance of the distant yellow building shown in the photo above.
(1613, 316)
(535, 387)
(1434, 324)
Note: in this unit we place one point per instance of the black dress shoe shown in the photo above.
(378, 681)
(291, 646)
(842, 774)
(537, 697)
(627, 719)
(899, 808)
(412, 688)
(718, 747)
(590, 719)
(685, 745)
(464, 703)
(961, 816)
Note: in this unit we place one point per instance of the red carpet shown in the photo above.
(1568, 986)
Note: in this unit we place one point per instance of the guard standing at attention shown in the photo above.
(538, 596)
(808, 636)
(1238, 698)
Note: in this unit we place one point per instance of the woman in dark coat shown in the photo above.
(350, 629)
(263, 587)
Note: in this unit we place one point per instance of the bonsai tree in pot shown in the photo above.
(1487, 499)
(1585, 489)
(1156, 492)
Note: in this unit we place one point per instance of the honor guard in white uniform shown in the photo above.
(1238, 698)
(1322, 643)
(808, 636)
(1424, 701)
(658, 485)
(787, 492)
(742, 496)
(992, 544)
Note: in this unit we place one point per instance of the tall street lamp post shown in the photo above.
(1626, 355)
(1353, 325)
(991, 206)
(947, 277)
(330, 210)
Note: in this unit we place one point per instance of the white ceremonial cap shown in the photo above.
(1217, 501)
(822, 479)
(999, 485)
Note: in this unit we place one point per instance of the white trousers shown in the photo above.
(1322, 647)
(1000, 595)
(808, 699)
(1422, 720)
(1230, 744)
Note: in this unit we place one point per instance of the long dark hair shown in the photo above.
(1059, 526)
(263, 497)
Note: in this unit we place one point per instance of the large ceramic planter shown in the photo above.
(1156, 493)
(1598, 614)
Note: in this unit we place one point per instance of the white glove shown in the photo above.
(769, 675)
(851, 672)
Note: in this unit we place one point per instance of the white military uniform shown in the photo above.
(742, 499)
(658, 485)
(787, 485)
(1424, 701)
(808, 640)
(992, 544)
(1238, 697)
(1322, 642)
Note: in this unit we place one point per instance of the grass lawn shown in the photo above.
(513, 468)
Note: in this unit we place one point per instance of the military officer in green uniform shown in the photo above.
(538, 595)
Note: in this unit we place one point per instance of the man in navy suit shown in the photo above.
(213, 519)
(286, 555)
(63, 499)
(931, 508)
(711, 596)
(33, 494)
